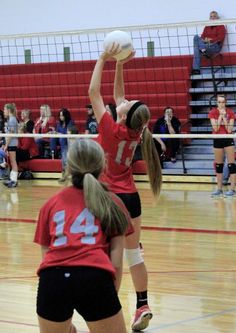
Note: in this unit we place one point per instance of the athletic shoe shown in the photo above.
(217, 194)
(10, 183)
(142, 317)
(230, 193)
(195, 72)
(205, 53)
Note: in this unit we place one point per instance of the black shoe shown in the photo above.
(205, 54)
(10, 183)
(195, 72)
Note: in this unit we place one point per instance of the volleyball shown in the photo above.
(123, 39)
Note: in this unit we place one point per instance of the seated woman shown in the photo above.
(4, 174)
(25, 117)
(2, 124)
(27, 147)
(64, 121)
(44, 124)
(168, 124)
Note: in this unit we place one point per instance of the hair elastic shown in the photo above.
(131, 112)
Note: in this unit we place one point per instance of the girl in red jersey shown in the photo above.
(27, 148)
(119, 140)
(222, 121)
(81, 231)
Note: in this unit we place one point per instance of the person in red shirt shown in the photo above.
(27, 147)
(222, 121)
(210, 42)
(119, 140)
(81, 232)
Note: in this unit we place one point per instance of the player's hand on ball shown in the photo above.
(132, 54)
(111, 52)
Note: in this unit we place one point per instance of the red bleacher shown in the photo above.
(47, 165)
(157, 81)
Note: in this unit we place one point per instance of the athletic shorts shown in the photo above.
(222, 143)
(132, 203)
(88, 290)
(11, 148)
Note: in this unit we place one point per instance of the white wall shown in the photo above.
(28, 16)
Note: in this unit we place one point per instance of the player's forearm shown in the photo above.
(119, 89)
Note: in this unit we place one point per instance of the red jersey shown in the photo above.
(215, 113)
(215, 32)
(73, 235)
(30, 145)
(119, 143)
(50, 126)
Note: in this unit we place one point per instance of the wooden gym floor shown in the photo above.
(189, 245)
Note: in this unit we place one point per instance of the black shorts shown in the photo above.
(88, 290)
(11, 148)
(222, 143)
(132, 203)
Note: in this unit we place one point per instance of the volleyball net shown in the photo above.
(180, 154)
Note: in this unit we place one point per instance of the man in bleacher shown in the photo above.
(209, 43)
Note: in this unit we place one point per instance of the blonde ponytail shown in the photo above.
(86, 161)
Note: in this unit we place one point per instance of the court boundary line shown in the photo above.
(169, 229)
(186, 321)
(27, 324)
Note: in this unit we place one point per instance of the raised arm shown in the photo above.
(95, 89)
(119, 89)
(95, 83)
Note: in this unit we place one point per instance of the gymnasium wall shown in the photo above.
(30, 16)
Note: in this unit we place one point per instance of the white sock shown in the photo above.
(13, 176)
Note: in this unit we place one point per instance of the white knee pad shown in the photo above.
(133, 257)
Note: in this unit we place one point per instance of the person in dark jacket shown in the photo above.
(168, 124)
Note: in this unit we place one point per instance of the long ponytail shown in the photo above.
(86, 161)
(151, 157)
(138, 122)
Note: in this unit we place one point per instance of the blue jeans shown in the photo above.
(199, 44)
(62, 142)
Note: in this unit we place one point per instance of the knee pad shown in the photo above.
(133, 257)
(232, 168)
(219, 167)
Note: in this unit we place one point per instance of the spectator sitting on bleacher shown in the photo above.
(28, 122)
(91, 122)
(210, 42)
(2, 125)
(64, 121)
(27, 147)
(3, 165)
(168, 124)
(44, 124)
